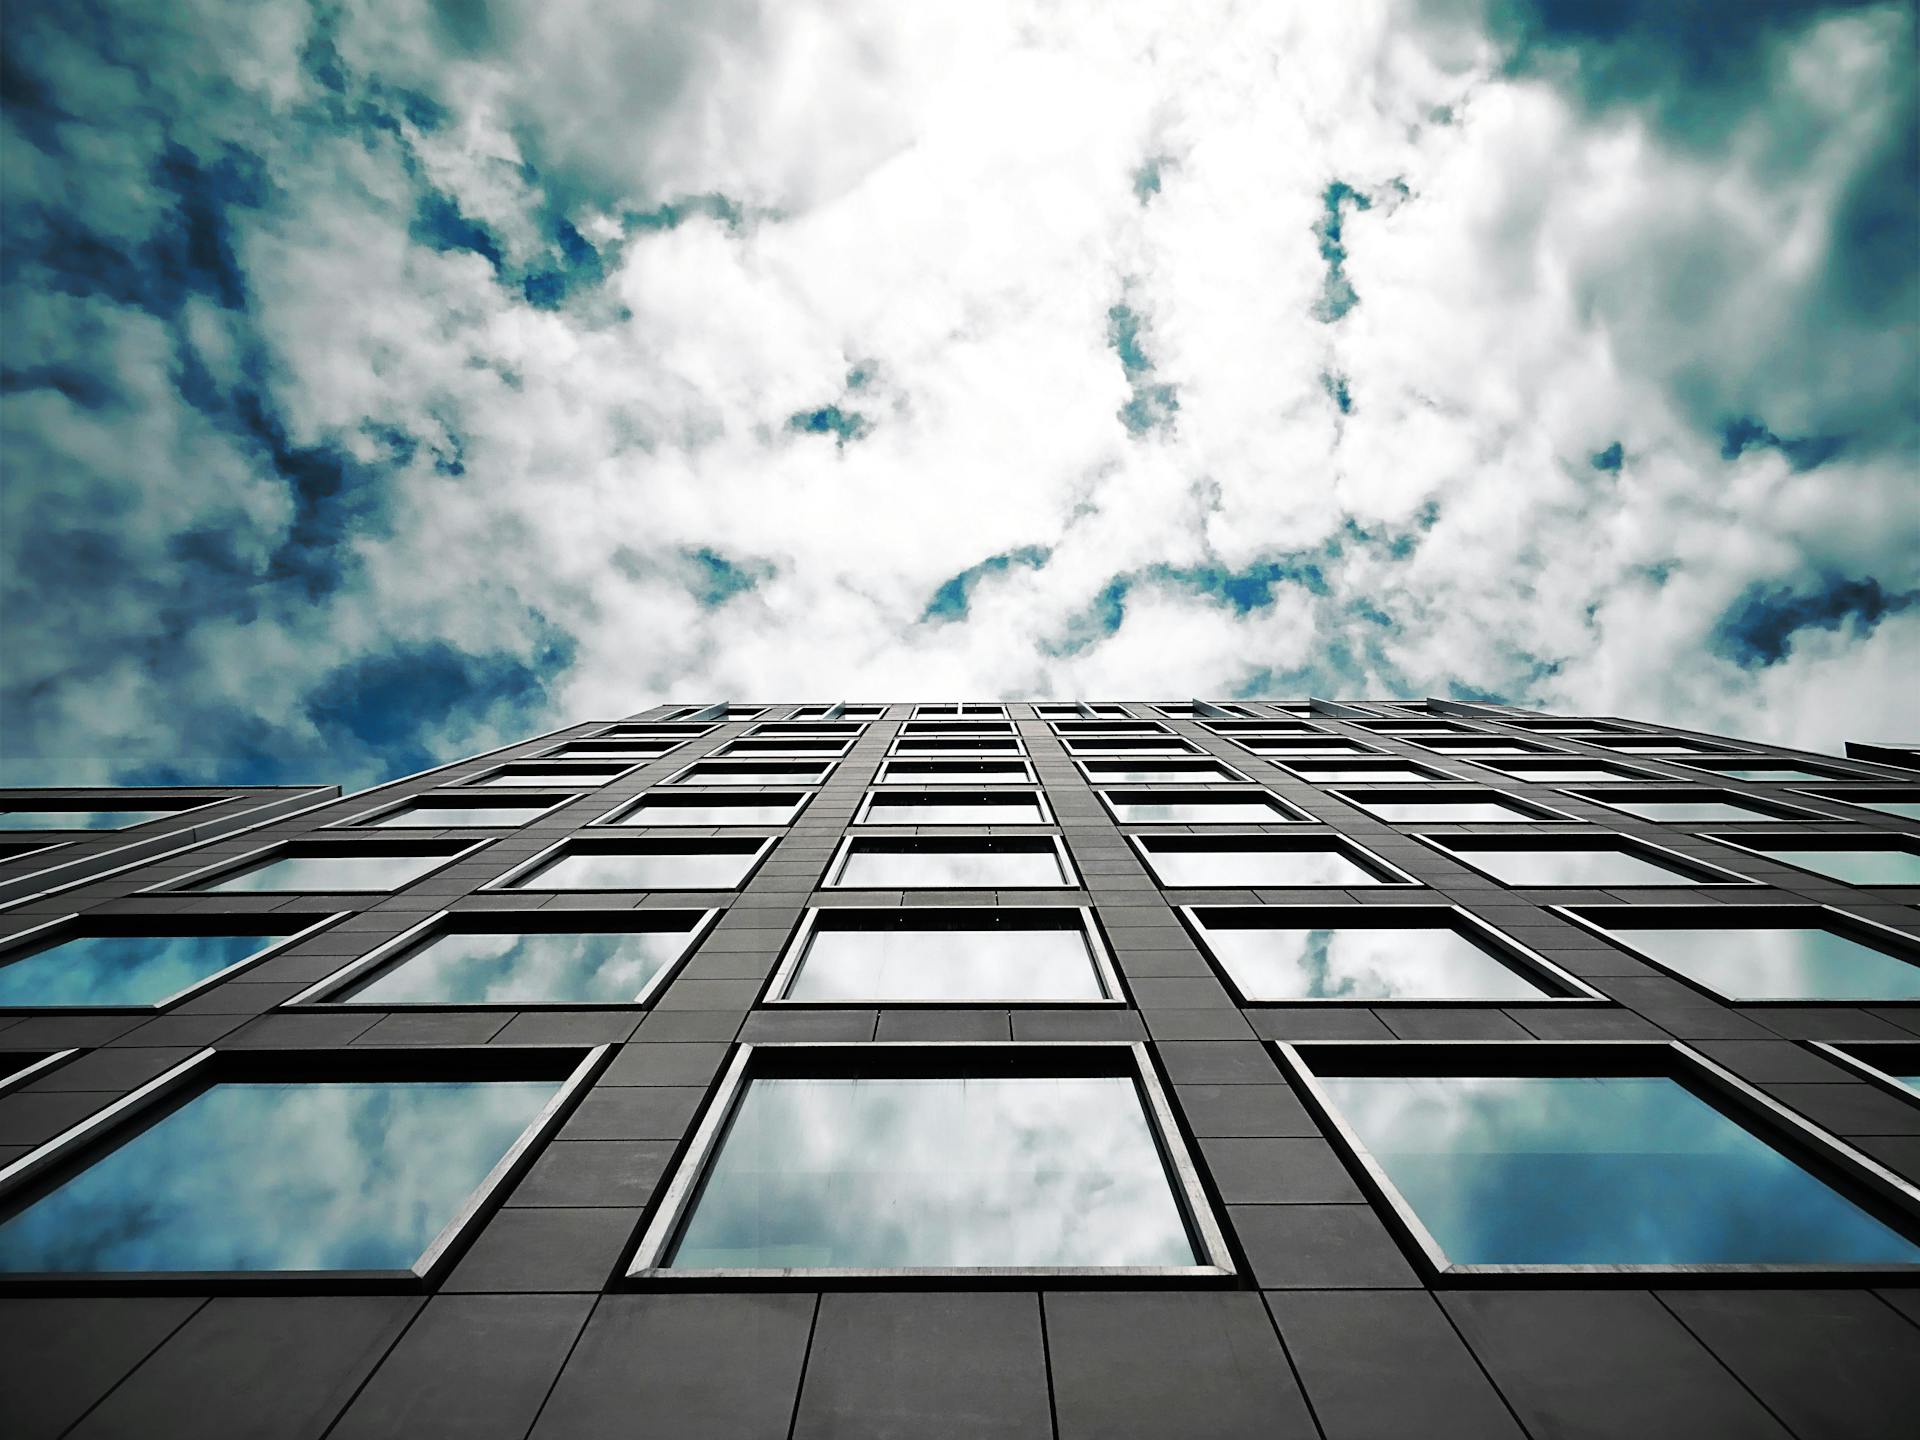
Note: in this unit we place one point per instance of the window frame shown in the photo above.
(1388, 875)
(393, 952)
(677, 730)
(318, 841)
(863, 812)
(608, 750)
(168, 924)
(40, 1061)
(690, 797)
(1327, 746)
(892, 762)
(1824, 840)
(1121, 747)
(793, 954)
(1595, 839)
(1529, 812)
(1120, 1059)
(1285, 812)
(837, 864)
(454, 797)
(47, 1163)
(1379, 762)
(616, 843)
(680, 778)
(1827, 773)
(958, 710)
(947, 747)
(812, 748)
(1525, 960)
(1855, 800)
(1232, 775)
(1827, 1157)
(1570, 764)
(1844, 1053)
(1735, 916)
(619, 771)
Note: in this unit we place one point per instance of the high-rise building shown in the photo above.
(1370, 1069)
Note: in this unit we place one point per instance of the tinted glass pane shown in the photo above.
(704, 775)
(121, 969)
(331, 872)
(600, 870)
(1587, 1171)
(1257, 867)
(1677, 810)
(79, 819)
(1364, 963)
(1387, 773)
(1863, 866)
(1422, 810)
(575, 778)
(1150, 775)
(434, 816)
(650, 812)
(1195, 812)
(1905, 809)
(1545, 775)
(591, 968)
(990, 964)
(332, 1176)
(1768, 773)
(1912, 1082)
(916, 869)
(1779, 964)
(959, 812)
(884, 1173)
(959, 775)
(1573, 867)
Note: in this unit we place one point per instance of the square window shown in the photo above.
(979, 955)
(1200, 807)
(955, 772)
(1272, 861)
(450, 810)
(593, 863)
(1765, 954)
(1371, 954)
(1901, 804)
(935, 1161)
(1379, 771)
(954, 807)
(1557, 1158)
(368, 1164)
(18, 812)
(1160, 772)
(1402, 807)
(1884, 860)
(1576, 862)
(1693, 806)
(752, 772)
(137, 962)
(322, 866)
(534, 773)
(520, 959)
(1000, 862)
(766, 807)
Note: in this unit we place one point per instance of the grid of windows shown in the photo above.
(888, 1045)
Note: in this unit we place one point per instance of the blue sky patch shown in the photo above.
(950, 601)
(1759, 627)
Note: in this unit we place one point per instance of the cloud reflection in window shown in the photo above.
(121, 969)
(589, 968)
(1371, 963)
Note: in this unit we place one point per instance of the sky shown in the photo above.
(384, 381)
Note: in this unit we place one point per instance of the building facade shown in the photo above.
(1343, 1069)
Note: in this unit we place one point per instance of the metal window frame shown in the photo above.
(1083, 728)
(892, 794)
(1380, 762)
(956, 841)
(1352, 915)
(959, 710)
(365, 820)
(793, 955)
(936, 747)
(1117, 1059)
(1845, 1053)
(678, 730)
(1120, 747)
(1592, 840)
(47, 1164)
(1284, 811)
(1271, 726)
(1821, 771)
(688, 798)
(397, 950)
(611, 843)
(1854, 800)
(817, 749)
(883, 775)
(1735, 916)
(806, 730)
(1224, 773)
(1826, 1157)
(47, 1061)
(1311, 747)
(1530, 812)
(1323, 838)
(587, 780)
(957, 729)
(558, 752)
(1480, 742)
(686, 775)
(1568, 764)
(1826, 840)
(169, 924)
(358, 842)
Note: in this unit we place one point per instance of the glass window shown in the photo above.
(1599, 1170)
(957, 864)
(333, 1175)
(577, 776)
(1566, 774)
(956, 772)
(1679, 811)
(1654, 745)
(441, 815)
(988, 808)
(985, 746)
(1440, 809)
(1478, 747)
(317, 870)
(1860, 864)
(517, 967)
(1128, 772)
(643, 865)
(612, 750)
(1765, 774)
(1126, 745)
(1748, 962)
(1568, 867)
(1178, 861)
(784, 745)
(84, 970)
(1282, 745)
(751, 773)
(93, 819)
(1887, 804)
(1268, 959)
(1393, 774)
(881, 1173)
(1174, 807)
(769, 809)
(872, 957)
